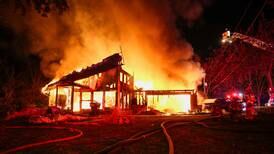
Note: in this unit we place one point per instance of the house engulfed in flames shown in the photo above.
(109, 85)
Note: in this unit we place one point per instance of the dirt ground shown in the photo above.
(223, 136)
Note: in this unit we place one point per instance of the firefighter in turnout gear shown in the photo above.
(250, 99)
(235, 108)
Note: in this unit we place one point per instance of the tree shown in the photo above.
(235, 65)
(266, 32)
(223, 68)
(20, 88)
(21, 79)
(43, 7)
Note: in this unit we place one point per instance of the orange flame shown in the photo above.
(152, 50)
(170, 104)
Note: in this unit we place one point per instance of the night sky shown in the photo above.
(205, 34)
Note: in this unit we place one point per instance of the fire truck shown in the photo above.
(229, 37)
(270, 102)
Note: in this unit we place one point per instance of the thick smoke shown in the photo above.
(153, 49)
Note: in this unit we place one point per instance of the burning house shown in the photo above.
(110, 86)
(105, 83)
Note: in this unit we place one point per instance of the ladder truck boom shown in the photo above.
(230, 37)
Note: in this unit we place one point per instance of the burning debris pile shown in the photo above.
(33, 115)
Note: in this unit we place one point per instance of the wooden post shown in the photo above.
(193, 102)
(72, 97)
(127, 102)
(139, 98)
(118, 88)
(80, 100)
(131, 82)
(104, 100)
(56, 96)
(122, 99)
(91, 97)
(123, 91)
(146, 99)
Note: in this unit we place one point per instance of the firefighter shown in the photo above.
(134, 105)
(94, 108)
(250, 99)
(271, 96)
(235, 108)
(53, 112)
(217, 108)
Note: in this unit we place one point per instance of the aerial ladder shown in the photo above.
(228, 37)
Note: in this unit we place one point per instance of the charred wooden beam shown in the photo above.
(166, 92)
(106, 64)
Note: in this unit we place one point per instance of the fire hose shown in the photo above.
(147, 133)
(170, 142)
(144, 134)
(23, 147)
(138, 136)
(169, 139)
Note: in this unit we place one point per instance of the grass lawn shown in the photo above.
(226, 137)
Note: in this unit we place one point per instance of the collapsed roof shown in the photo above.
(106, 64)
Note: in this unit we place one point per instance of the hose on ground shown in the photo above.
(147, 133)
(138, 136)
(169, 139)
(170, 142)
(23, 147)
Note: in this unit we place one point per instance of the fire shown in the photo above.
(78, 69)
(170, 104)
(63, 97)
(151, 47)
(145, 85)
(166, 103)
(44, 89)
(86, 100)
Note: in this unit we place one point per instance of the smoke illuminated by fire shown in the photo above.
(153, 49)
(148, 37)
(91, 30)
